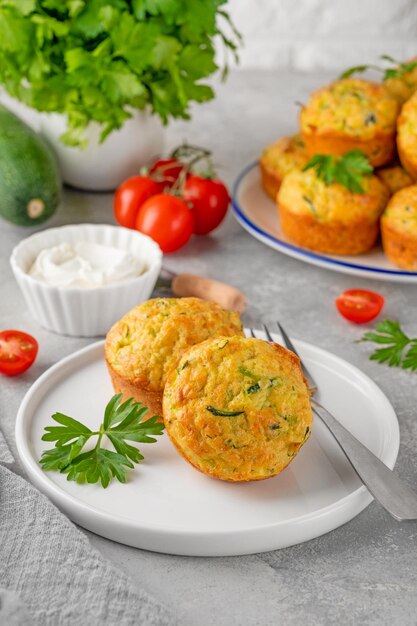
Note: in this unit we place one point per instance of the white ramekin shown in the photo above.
(85, 312)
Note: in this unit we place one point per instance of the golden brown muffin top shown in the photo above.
(395, 177)
(304, 193)
(149, 340)
(284, 155)
(353, 107)
(401, 211)
(238, 408)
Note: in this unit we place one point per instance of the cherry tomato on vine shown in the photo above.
(359, 305)
(209, 200)
(166, 219)
(18, 351)
(130, 196)
(167, 171)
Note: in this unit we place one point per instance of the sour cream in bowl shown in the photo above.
(80, 279)
(85, 264)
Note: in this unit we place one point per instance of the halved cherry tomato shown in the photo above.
(166, 171)
(18, 351)
(209, 200)
(130, 196)
(359, 305)
(166, 219)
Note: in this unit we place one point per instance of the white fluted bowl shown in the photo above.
(85, 312)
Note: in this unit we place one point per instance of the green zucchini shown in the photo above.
(30, 185)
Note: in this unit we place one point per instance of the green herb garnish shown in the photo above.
(254, 388)
(348, 170)
(122, 422)
(397, 70)
(356, 69)
(220, 413)
(399, 351)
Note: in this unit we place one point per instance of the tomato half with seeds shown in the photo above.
(359, 305)
(18, 351)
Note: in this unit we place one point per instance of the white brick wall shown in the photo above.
(324, 34)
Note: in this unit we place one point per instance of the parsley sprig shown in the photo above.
(348, 170)
(399, 351)
(397, 69)
(123, 422)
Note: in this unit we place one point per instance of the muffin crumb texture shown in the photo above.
(238, 409)
(149, 340)
(351, 114)
(330, 218)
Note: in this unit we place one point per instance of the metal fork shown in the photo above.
(385, 486)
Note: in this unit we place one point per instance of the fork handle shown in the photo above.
(385, 486)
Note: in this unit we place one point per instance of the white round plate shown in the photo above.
(257, 213)
(168, 506)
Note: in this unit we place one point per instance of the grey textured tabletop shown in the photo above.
(362, 573)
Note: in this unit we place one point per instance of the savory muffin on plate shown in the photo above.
(148, 341)
(327, 216)
(407, 136)
(237, 409)
(278, 159)
(395, 177)
(351, 114)
(399, 228)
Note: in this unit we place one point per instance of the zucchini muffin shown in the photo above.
(148, 341)
(238, 409)
(405, 85)
(395, 177)
(278, 159)
(399, 228)
(407, 136)
(351, 114)
(330, 218)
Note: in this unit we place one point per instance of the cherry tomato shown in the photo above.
(130, 196)
(17, 352)
(209, 200)
(359, 305)
(166, 170)
(166, 219)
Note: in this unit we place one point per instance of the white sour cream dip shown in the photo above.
(85, 264)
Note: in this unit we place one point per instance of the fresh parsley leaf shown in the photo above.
(397, 69)
(410, 359)
(398, 351)
(356, 69)
(348, 170)
(122, 422)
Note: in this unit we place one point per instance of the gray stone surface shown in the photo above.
(362, 573)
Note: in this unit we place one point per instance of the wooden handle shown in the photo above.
(227, 296)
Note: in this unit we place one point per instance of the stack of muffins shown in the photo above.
(380, 120)
(236, 408)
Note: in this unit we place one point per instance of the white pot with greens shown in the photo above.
(103, 166)
(105, 76)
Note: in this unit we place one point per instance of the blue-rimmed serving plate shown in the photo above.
(257, 213)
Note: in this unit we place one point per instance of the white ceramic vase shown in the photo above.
(103, 166)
